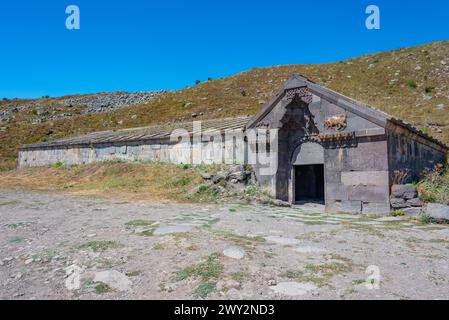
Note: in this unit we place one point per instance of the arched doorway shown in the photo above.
(308, 173)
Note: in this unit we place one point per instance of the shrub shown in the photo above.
(185, 166)
(58, 165)
(243, 93)
(429, 89)
(397, 213)
(197, 81)
(412, 84)
(435, 186)
(203, 188)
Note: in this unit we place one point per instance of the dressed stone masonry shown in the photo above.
(329, 149)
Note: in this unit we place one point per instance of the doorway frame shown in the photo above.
(293, 162)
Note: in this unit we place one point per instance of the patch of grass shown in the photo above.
(133, 273)
(397, 213)
(185, 166)
(240, 276)
(138, 223)
(425, 219)
(101, 245)
(210, 269)
(429, 89)
(241, 238)
(16, 240)
(320, 274)
(147, 233)
(58, 165)
(16, 225)
(102, 288)
(232, 210)
(210, 223)
(204, 289)
(412, 84)
(203, 187)
(311, 223)
(158, 246)
(8, 203)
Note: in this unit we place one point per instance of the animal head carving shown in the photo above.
(337, 121)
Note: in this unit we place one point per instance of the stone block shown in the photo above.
(345, 206)
(376, 208)
(415, 202)
(336, 191)
(369, 194)
(365, 178)
(398, 203)
(404, 191)
(438, 211)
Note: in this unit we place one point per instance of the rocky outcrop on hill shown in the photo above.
(104, 102)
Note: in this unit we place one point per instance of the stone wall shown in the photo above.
(411, 153)
(162, 150)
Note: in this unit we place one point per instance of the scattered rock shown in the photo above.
(438, 212)
(224, 285)
(104, 102)
(397, 203)
(206, 176)
(280, 203)
(293, 288)
(282, 240)
(113, 279)
(308, 249)
(415, 202)
(404, 191)
(218, 177)
(271, 282)
(29, 261)
(234, 252)
(167, 229)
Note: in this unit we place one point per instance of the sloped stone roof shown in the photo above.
(156, 132)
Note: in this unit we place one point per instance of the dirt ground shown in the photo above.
(57, 246)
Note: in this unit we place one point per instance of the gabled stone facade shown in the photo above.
(343, 153)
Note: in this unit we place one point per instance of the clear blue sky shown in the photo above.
(147, 45)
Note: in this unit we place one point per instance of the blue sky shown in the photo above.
(147, 45)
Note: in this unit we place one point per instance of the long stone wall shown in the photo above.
(232, 152)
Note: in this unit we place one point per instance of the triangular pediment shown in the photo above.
(305, 88)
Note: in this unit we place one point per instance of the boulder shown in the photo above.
(415, 202)
(238, 175)
(398, 203)
(206, 176)
(280, 203)
(404, 191)
(220, 176)
(438, 211)
(114, 279)
(234, 253)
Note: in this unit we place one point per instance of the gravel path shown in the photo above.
(56, 246)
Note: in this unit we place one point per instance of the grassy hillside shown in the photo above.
(410, 83)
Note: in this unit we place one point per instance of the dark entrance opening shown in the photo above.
(309, 183)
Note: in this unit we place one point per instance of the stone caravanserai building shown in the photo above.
(330, 148)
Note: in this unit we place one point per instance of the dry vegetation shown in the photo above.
(153, 181)
(410, 83)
